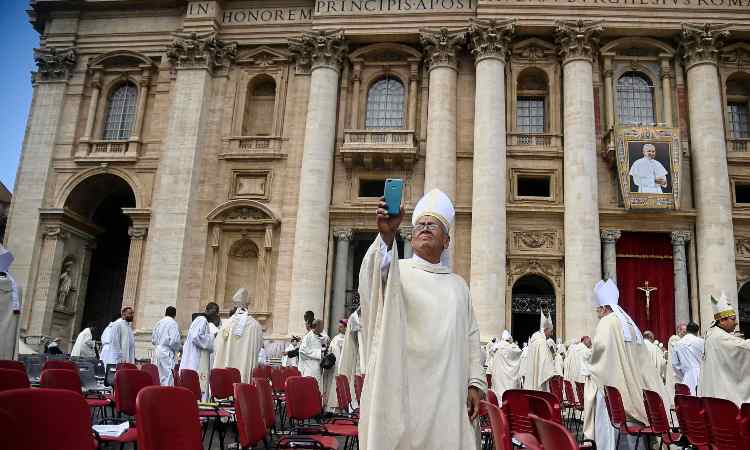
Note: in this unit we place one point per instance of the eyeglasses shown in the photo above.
(426, 226)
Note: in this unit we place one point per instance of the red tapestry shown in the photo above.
(645, 257)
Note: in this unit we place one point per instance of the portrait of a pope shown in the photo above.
(649, 175)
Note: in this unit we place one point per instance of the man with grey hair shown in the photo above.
(648, 173)
(240, 338)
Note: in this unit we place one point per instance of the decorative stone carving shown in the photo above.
(742, 247)
(137, 233)
(65, 284)
(578, 39)
(680, 237)
(700, 43)
(534, 240)
(201, 50)
(244, 249)
(55, 63)
(55, 232)
(441, 47)
(549, 268)
(609, 235)
(737, 57)
(244, 213)
(491, 38)
(323, 48)
(343, 234)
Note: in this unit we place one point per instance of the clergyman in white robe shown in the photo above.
(290, 361)
(106, 354)
(311, 352)
(84, 345)
(505, 365)
(656, 354)
(349, 364)
(166, 341)
(123, 339)
(240, 339)
(10, 306)
(671, 377)
(540, 362)
(199, 345)
(646, 170)
(687, 359)
(336, 347)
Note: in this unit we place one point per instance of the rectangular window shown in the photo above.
(742, 193)
(739, 127)
(371, 188)
(533, 186)
(530, 114)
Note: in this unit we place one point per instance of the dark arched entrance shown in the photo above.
(531, 293)
(100, 199)
(743, 304)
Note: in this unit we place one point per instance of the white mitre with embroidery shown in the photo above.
(545, 322)
(435, 204)
(506, 336)
(607, 294)
(721, 307)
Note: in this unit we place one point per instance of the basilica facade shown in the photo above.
(179, 150)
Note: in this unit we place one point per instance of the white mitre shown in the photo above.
(607, 294)
(6, 259)
(721, 307)
(506, 336)
(545, 322)
(435, 204)
(241, 298)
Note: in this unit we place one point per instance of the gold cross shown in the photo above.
(647, 290)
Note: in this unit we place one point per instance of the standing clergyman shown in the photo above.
(122, 341)
(240, 339)
(540, 362)
(506, 361)
(84, 346)
(424, 378)
(166, 341)
(199, 344)
(688, 355)
(648, 173)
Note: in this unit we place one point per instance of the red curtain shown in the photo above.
(647, 257)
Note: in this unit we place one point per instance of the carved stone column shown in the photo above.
(679, 259)
(714, 231)
(137, 135)
(54, 67)
(356, 86)
(413, 87)
(577, 46)
(609, 91)
(42, 304)
(338, 310)
(667, 74)
(323, 52)
(609, 241)
(135, 260)
(96, 86)
(195, 57)
(441, 47)
(490, 44)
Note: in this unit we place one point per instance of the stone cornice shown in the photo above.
(55, 64)
(680, 237)
(201, 51)
(441, 47)
(491, 38)
(577, 40)
(610, 235)
(343, 234)
(701, 43)
(323, 48)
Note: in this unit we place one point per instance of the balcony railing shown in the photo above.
(253, 147)
(738, 145)
(106, 151)
(372, 148)
(109, 146)
(544, 141)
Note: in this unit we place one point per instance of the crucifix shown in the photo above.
(647, 290)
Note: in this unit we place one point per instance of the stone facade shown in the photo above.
(252, 151)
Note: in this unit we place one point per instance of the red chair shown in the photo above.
(190, 380)
(744, 423)
(359, 384)
(343, 394)
(303, 405)
(13, 379)
(167, 419)
(724, 432)
(492, 397)
(265, 396)
(262, 372)
(63, 364)
(540, 407)
(293, 372)
(552, 435)
(250, 424)
(556, 387)
(516, 408)
(127, 384)
(10, 364)
(152, 370)
(236, 375)
(488, 376)
(176, 376)
(500, 428)
(45, 419)
(682, 389)
(220, 381)
(659, 421)
(618, 418)
(69, 380)
(552, 399)
(692, 419)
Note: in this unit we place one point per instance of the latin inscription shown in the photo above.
(665, 4)
(340, 7)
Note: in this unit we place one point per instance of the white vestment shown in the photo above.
(84, 345)
(349, 363)
(540, 363)
(166, 341)
(688, 356)
(336, 347)
(10, 308)
(106, 355)
(238, 343)
(644, 172)
(423, 354)
(506, 362)
(725, 369)
(310, 354)
(122, 342)
(199, 344)
(657, 357)
(671, 377)
(287, 361)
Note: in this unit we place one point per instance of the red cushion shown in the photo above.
(341, 429)
(129, 436)
(97, 403)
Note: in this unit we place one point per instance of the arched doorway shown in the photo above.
(531, 293)
(743, 304)
(100, 199)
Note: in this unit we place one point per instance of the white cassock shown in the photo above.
(688, 356)
(657, 357)
(166, 341)
(10, 306)
(574, 362)
(725, 369)
(644, 172)
(524, 363)
(106, 355)
(560, 360)
(122, 342)
(671, 377)
(238, 343)
(262, 357)
(488, 351)
(506, 362)
(349, 363)
(540, 363)
(84, 345)
(287, 361)
(336, 347)
(310, 354)
(199, 344)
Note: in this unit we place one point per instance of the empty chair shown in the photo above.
(220, 381)
(658, 419)
(236, 375)
(190, 380)
(60, 364)
(500, 428)
(167, 419)
(128, 383)
(61, 379)
(682, 389)
(723, 429)
(692, 419)
(12, 365)
(303, 405)
(556, 387)
(265, 396)
(618, 419)
(516, 409)
(744, 424)
(540, 407)
(359, 384)
(553, 401)
(125, 365)
(13, 379)
(250, 424)
(152, 370)
(553, 436)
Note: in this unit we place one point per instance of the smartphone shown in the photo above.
(392, 193)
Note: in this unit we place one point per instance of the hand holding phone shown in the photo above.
(393, 192)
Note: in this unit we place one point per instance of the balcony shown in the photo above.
(107, 151)
(379, 148)
(534, 143)
(738, 145)
(252, 147)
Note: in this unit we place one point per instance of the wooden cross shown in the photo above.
(647, 290)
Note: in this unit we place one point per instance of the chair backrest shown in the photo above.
(10, 364)
(125, 365)
(87, 375)
(45, 419)
(303, 398)
(570, 395)
(261, 372)
(516, 408)
(265, 394)
(556, 387)
(488, 377)
(744, 423)
(236, 374)
(492, 397)
(61, 379)
(190, 380)
(128, 383)
(723, 429)
(13, 379)
(682, 389)
(60, 364)
(250, 423)
(615, 407)
(278, 379)
(359, 384)
(499, 424)
(657, 415)
(220, 381)
(152, 370)
(167, 419)
(540, 407)
(293, 372)
(579, 392)
(553, 402)
(553, 436)
(343, 394)
(691, 416)
(176, 376)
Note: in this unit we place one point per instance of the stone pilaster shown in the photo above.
(137, 134)
(340, 266)
(441, 48)
(577, 43)
(201, 51)
(135, 260)
(406, 234)
(323, 51)
(39, 309)
(679, 259)
(609, 242)
(490, 45)
(714, 232)
(667, 75)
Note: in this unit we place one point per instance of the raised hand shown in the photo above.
(387, 225)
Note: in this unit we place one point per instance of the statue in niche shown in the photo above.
(65, 286)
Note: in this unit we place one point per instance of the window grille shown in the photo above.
(385, 104)
(530, 114)
(739, 127)
(120, 113)
(635, 99)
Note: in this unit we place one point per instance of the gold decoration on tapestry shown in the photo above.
(649, 165)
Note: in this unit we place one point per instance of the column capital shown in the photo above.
(610, 235)
(55, 64)
(441, 46)
(700, 43)
(137, 233)
(405, 233)
(201, 51)
(491, 38)
(577, 39)
(342, 234)
(55, 232)
(322, 48)
(680, 237)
